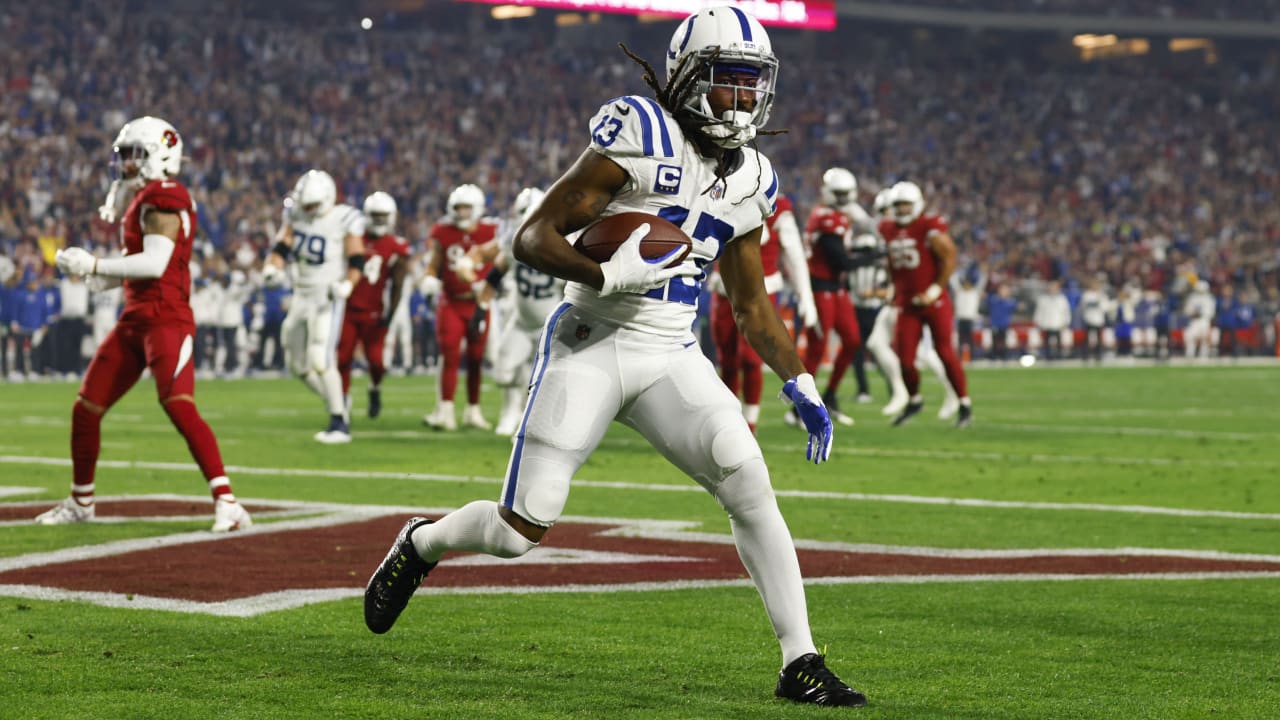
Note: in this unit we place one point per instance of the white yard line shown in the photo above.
(662, 487)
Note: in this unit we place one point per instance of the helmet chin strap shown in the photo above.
(734, 130)
(119, 195)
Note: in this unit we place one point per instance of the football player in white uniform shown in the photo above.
(620, 346)
(326, 242)
(535, 294)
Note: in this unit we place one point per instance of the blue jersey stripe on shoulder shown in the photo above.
(742, 20)
(773, 187)
(646, 125)
(667, 150)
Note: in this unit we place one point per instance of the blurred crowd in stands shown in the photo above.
(1140, 180)
(1163, 9)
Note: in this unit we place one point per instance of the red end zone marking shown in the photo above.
(342, 556)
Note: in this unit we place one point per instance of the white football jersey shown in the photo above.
(668, 177)
(536, 293)
(319, 246)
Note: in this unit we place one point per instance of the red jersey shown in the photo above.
(382, 253)
(912, 263)
(824, 220)
(168, 295)
(771, 246)
(453, 243)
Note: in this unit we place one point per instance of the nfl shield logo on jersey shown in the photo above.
(717, 190)
(667, 180)
(583, 332)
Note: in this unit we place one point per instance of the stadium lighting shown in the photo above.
(1089, 41)
(806, 14)
(366, 23)
(508, 12)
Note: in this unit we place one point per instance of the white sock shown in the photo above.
(474, 527)
(513, 400)
(220, 482)
(889, 364)
(769, 554)
(752, 414)
(333, 398)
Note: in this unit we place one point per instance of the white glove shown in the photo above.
(628, 272)
(807, 311)
(75, 261)
(929, 296)
(430, 286)
(272, 276)
(465, 268)
(715, 284)
(341, 289)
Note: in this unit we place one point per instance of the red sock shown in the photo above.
(86, 435)
(752, 384)
(473, 380)
(200, 439)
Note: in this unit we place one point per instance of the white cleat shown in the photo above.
(333, 437)
(472, 417)
(67, 512)
(895, 406)
(791, 418)
(841, 418)
(338, 432)
(949, 408)
(442, 418)
(229, 516)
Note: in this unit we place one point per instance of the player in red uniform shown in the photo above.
(458, 316)
(828, 234)
(156, 330)
(781, 253)
(922, 257)
(368, 312)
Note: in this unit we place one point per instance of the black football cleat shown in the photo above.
(807, 680)
(375, 402)
(833, 408)
(965, 418)
(830, 400)
(912, 409)
(395, 580)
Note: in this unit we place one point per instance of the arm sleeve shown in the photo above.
(860, 219)
(793, 260)
(150, 263)
(832, 247)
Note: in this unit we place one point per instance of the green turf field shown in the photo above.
(1175, 458)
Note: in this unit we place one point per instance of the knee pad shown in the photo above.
(746, 488)
(317, 358)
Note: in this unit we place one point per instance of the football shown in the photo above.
(601, 240)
